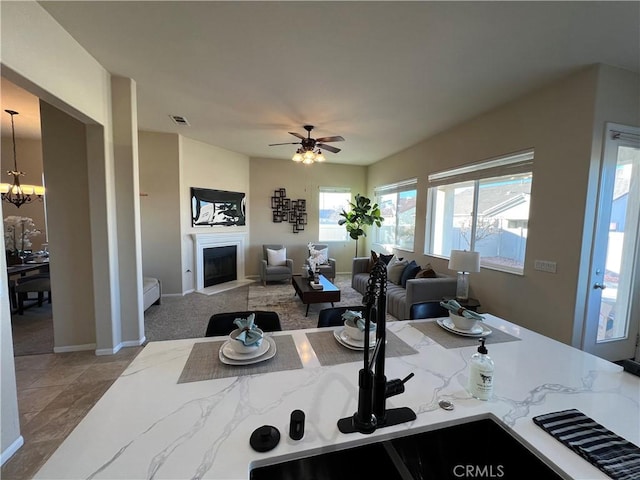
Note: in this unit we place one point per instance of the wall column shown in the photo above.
(125, 150)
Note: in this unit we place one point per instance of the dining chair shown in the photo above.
(427, 310)
(222, 323)
(332, 317)
(38, 284)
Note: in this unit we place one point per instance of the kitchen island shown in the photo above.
(155, 422)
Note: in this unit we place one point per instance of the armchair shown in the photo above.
(326, 265)
(275, 266)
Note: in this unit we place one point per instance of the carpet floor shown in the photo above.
(187, 316)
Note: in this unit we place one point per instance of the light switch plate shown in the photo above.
(545, 266)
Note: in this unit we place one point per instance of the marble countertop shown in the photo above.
(147, 425)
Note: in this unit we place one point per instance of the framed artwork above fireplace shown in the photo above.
(217, 208)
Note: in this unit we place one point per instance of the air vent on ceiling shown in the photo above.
(179, 120)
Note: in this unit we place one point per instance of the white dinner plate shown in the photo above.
(480, 330)
(229, 353)
(346, 341)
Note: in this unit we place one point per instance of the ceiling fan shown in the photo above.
(307, 153)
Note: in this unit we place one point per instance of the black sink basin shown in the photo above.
(476, 449)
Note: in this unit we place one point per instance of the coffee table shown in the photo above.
(329, 293)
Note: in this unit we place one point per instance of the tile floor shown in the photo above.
(55, 391)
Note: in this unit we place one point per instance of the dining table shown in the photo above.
(183, 410)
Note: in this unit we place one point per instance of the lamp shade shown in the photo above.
(464, 261)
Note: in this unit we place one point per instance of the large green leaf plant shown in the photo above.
(362, 214)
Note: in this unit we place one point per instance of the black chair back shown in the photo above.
(427, 310)
(222, 323)
(332, 317)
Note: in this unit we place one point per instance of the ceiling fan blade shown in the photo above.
(328, 148)
(337, 138)
(287, 143)
(297, 135)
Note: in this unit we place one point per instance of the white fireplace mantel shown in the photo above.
(213, 240)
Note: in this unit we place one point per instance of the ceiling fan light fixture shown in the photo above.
(307, 161)
(309, 156)
(320, 156)
(297, 157)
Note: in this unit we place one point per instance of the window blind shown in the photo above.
(520, 162)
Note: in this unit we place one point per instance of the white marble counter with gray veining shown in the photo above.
(149, 426)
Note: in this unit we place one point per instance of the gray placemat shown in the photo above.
(204, 361)
(330, 352)
(451, 340)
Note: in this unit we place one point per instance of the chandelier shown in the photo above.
(308, 156)
(16, 193)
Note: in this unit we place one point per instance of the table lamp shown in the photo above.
(463, 262)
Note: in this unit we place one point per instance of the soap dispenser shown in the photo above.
(481, 373)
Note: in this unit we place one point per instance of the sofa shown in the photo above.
(151, 292)
(400, 299)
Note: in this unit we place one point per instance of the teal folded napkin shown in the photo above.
(250, 334)
(456, 308)
(356, 318)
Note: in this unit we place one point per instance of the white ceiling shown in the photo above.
(384, 75)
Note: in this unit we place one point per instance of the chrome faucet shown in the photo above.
(373, 387)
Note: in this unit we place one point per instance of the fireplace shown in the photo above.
(219, 265)
(215, 241)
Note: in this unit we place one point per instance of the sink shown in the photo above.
(474, 449)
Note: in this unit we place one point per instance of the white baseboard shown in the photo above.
(129, 343)
(74, 348)
(11, 449)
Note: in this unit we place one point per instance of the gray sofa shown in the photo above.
(399, 299)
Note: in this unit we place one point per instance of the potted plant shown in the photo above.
(18, 232)
(362, 214)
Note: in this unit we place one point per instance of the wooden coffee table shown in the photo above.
(329, 293)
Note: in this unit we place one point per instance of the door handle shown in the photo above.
(599, 285)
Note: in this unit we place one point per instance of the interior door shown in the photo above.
(613, 309)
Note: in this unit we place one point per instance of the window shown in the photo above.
(397, 204)
(332, 202)
(482, 207)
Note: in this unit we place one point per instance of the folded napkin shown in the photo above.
(357, 319)
(612, 454)
(456, 308)
(250, 335)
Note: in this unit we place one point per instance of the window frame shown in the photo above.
(321, 190)
(516, 163)
(408, 185)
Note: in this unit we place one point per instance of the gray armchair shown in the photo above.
(327, 269)
(269, 272)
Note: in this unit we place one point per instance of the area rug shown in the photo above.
(281, 298)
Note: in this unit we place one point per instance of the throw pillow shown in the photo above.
(373, 259)
(409, 271)
(395, 271)
(321, 257)
(427, 272)
(386, 258)
(276, 257)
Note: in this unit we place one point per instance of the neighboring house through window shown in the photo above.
(397, 204)
(332, 201)
(483, 207)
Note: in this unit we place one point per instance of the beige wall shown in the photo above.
(207, 166)
(64, 140)
(558, 121)
(300, 181)
(159, 160)
(29, 154)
